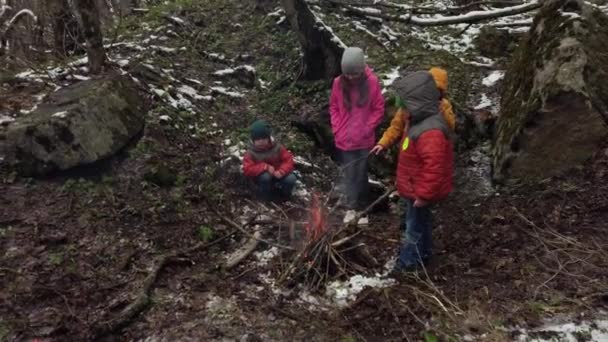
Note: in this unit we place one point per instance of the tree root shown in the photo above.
(142, 301)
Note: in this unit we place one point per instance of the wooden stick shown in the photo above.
(239, 228)
(241, 254)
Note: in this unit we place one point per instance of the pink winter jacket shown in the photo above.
(356, 130)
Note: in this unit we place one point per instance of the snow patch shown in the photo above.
(177, 20)
(163, 48)
(301, 161)
(324, 27)
(6, 119)
(123, 63)
(81, 77)
(391, 77)
(267, 255)
(276, 13)
(493, 77)
(343, 292)
(485, 102)
(301, 191)
(61, 114)
(596, 330)
(227, 92)
(189, 91)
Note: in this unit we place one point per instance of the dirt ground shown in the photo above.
(76, 251)
(132, 248)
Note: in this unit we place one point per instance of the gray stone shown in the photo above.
(76, 125)
(555, 94)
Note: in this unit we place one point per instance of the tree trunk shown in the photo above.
(321, 48)
(91, 29)
(66, 33)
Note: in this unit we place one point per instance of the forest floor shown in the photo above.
(155, 224)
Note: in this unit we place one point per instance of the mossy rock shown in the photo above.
(555, 97)
(495, 43)
(77, 125)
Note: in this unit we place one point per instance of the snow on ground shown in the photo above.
(301, 161)
(265, 256)
(390, 77)
(324, 27)
(6, 119)
(592, 330)
(493, 77)
(61, 114)
(344, 292)
(227, 92)
(484, 103)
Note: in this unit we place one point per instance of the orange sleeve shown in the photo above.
(394, 131)
(448, 113)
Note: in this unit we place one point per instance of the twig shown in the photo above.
(239, 228)
(452, 20)
(390, 306)
(243, 253)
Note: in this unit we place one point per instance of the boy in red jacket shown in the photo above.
(425, 166)
(268, 163)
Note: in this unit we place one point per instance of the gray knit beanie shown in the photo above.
(353, 61)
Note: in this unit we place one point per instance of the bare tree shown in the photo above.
(90, 25)
(67, 37)
(321, 48)
(7, 25)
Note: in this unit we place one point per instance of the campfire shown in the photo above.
(330, 250)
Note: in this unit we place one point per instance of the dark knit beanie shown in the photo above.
(260, 130)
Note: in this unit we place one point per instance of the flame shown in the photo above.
(317, 223)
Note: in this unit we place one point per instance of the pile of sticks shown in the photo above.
(331, 252)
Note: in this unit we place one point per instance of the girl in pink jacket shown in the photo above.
(356, 108)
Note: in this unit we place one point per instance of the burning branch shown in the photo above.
(330, 252)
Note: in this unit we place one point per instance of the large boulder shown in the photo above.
(555, 95)
(76, 125)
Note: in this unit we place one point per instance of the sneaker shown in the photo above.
(349, 216)
(363, 221)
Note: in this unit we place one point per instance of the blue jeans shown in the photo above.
(416, 225)
(267, 184)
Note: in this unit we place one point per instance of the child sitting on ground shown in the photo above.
(268, 163)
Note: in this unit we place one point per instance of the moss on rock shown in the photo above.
(554, 104)
(77, 125)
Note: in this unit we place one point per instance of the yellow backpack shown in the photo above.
(441, 79)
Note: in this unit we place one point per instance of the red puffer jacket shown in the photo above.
(426, 167)
(281, 160)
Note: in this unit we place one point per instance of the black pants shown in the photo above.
(354, 177)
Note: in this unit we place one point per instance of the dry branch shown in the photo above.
(142, 301)
(467, 18)
(242, 230)
(241, 254)
(424, 9)
(8, 26)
